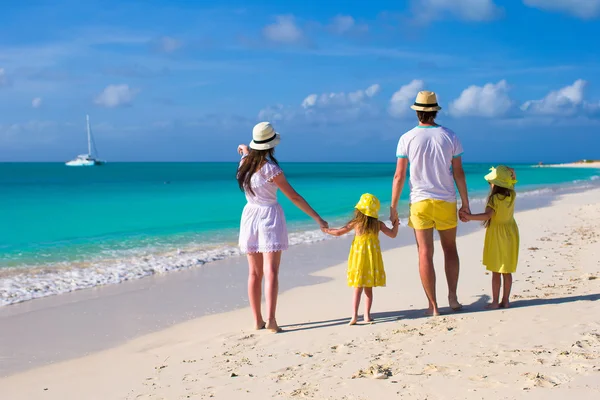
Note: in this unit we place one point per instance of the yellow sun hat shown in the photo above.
(368, 205)
(501, 176)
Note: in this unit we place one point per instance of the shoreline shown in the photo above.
(18, 285)
(592, 164)
(554, 304)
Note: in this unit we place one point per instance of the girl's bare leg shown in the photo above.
(368, 303)
(496, 282)
(271, 270)
(507, 287)
(255, 276)
(355, 303)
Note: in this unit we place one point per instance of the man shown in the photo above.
(434, 155)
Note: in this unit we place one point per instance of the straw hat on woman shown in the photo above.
(263, 232)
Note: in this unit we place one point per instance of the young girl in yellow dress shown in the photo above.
(365, 263)
(501, 249)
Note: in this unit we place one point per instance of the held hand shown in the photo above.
(323, 224)
(463, 213)
(393, 214)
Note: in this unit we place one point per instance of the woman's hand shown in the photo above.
(242, 149)
(323, 224)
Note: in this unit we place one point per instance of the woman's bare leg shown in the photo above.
(355, 304)
(271, 263)
(368, 303)
(255, 276)
(507, 288)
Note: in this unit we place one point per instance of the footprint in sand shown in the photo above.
(545, 381)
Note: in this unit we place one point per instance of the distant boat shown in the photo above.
(89, 159)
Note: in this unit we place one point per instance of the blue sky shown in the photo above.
(182, 80)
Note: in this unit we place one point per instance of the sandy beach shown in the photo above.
(592, 164)
(547, 345)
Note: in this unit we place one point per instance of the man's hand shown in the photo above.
(464, 210)
(393, 214)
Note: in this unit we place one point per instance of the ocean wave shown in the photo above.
(27, 283)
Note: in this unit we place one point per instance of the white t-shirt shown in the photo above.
(430, 150)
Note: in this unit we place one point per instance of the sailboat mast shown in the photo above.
(89, 134)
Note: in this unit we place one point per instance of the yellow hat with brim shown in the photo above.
(501, 176)
(368, 205)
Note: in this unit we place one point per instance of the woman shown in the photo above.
(263, 233)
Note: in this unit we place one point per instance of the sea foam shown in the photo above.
(27, 283)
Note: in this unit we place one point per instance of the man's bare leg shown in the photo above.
(452, 265)
(425, 246)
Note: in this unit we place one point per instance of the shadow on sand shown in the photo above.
(475, 307)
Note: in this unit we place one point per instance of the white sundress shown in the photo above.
(263, 228)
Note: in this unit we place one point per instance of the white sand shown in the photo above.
(595, 164)
(547, 346)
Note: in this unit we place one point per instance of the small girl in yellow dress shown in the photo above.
(365, 263)
(501, 249)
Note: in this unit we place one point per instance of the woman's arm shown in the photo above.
(489, 213)
(392, 233)
(338, 232)
(298, 200)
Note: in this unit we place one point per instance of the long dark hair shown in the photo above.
(499, 191)
(364, 223)
(251, 164)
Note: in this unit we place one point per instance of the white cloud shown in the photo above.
(565, 101)
(326, 107)
(343, 24)
(468, 10)
(37, 102)
(275, 113)
(585, 9)
(3, 79)
(340, 99)
(284, 30)
(116, 95)
(373, 90)
(404, 97)
(310, 101)
(168, 44)
(490, 100)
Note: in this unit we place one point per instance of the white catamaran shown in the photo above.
(87, 160)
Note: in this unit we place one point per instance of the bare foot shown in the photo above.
(353, 321)
(454, 304)
(260, 325)
(432, 312)
(492, 306)
(273, 327)
(368, 319)
(505, 304)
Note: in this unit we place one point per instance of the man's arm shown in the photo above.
(398, 185)
(461, 184)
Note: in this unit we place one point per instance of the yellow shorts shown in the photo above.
(428, 214)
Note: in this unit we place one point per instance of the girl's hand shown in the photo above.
(242, 149)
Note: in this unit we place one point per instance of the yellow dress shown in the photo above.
(501, 249)
(365, 263)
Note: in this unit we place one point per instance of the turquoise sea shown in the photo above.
(64, 228)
